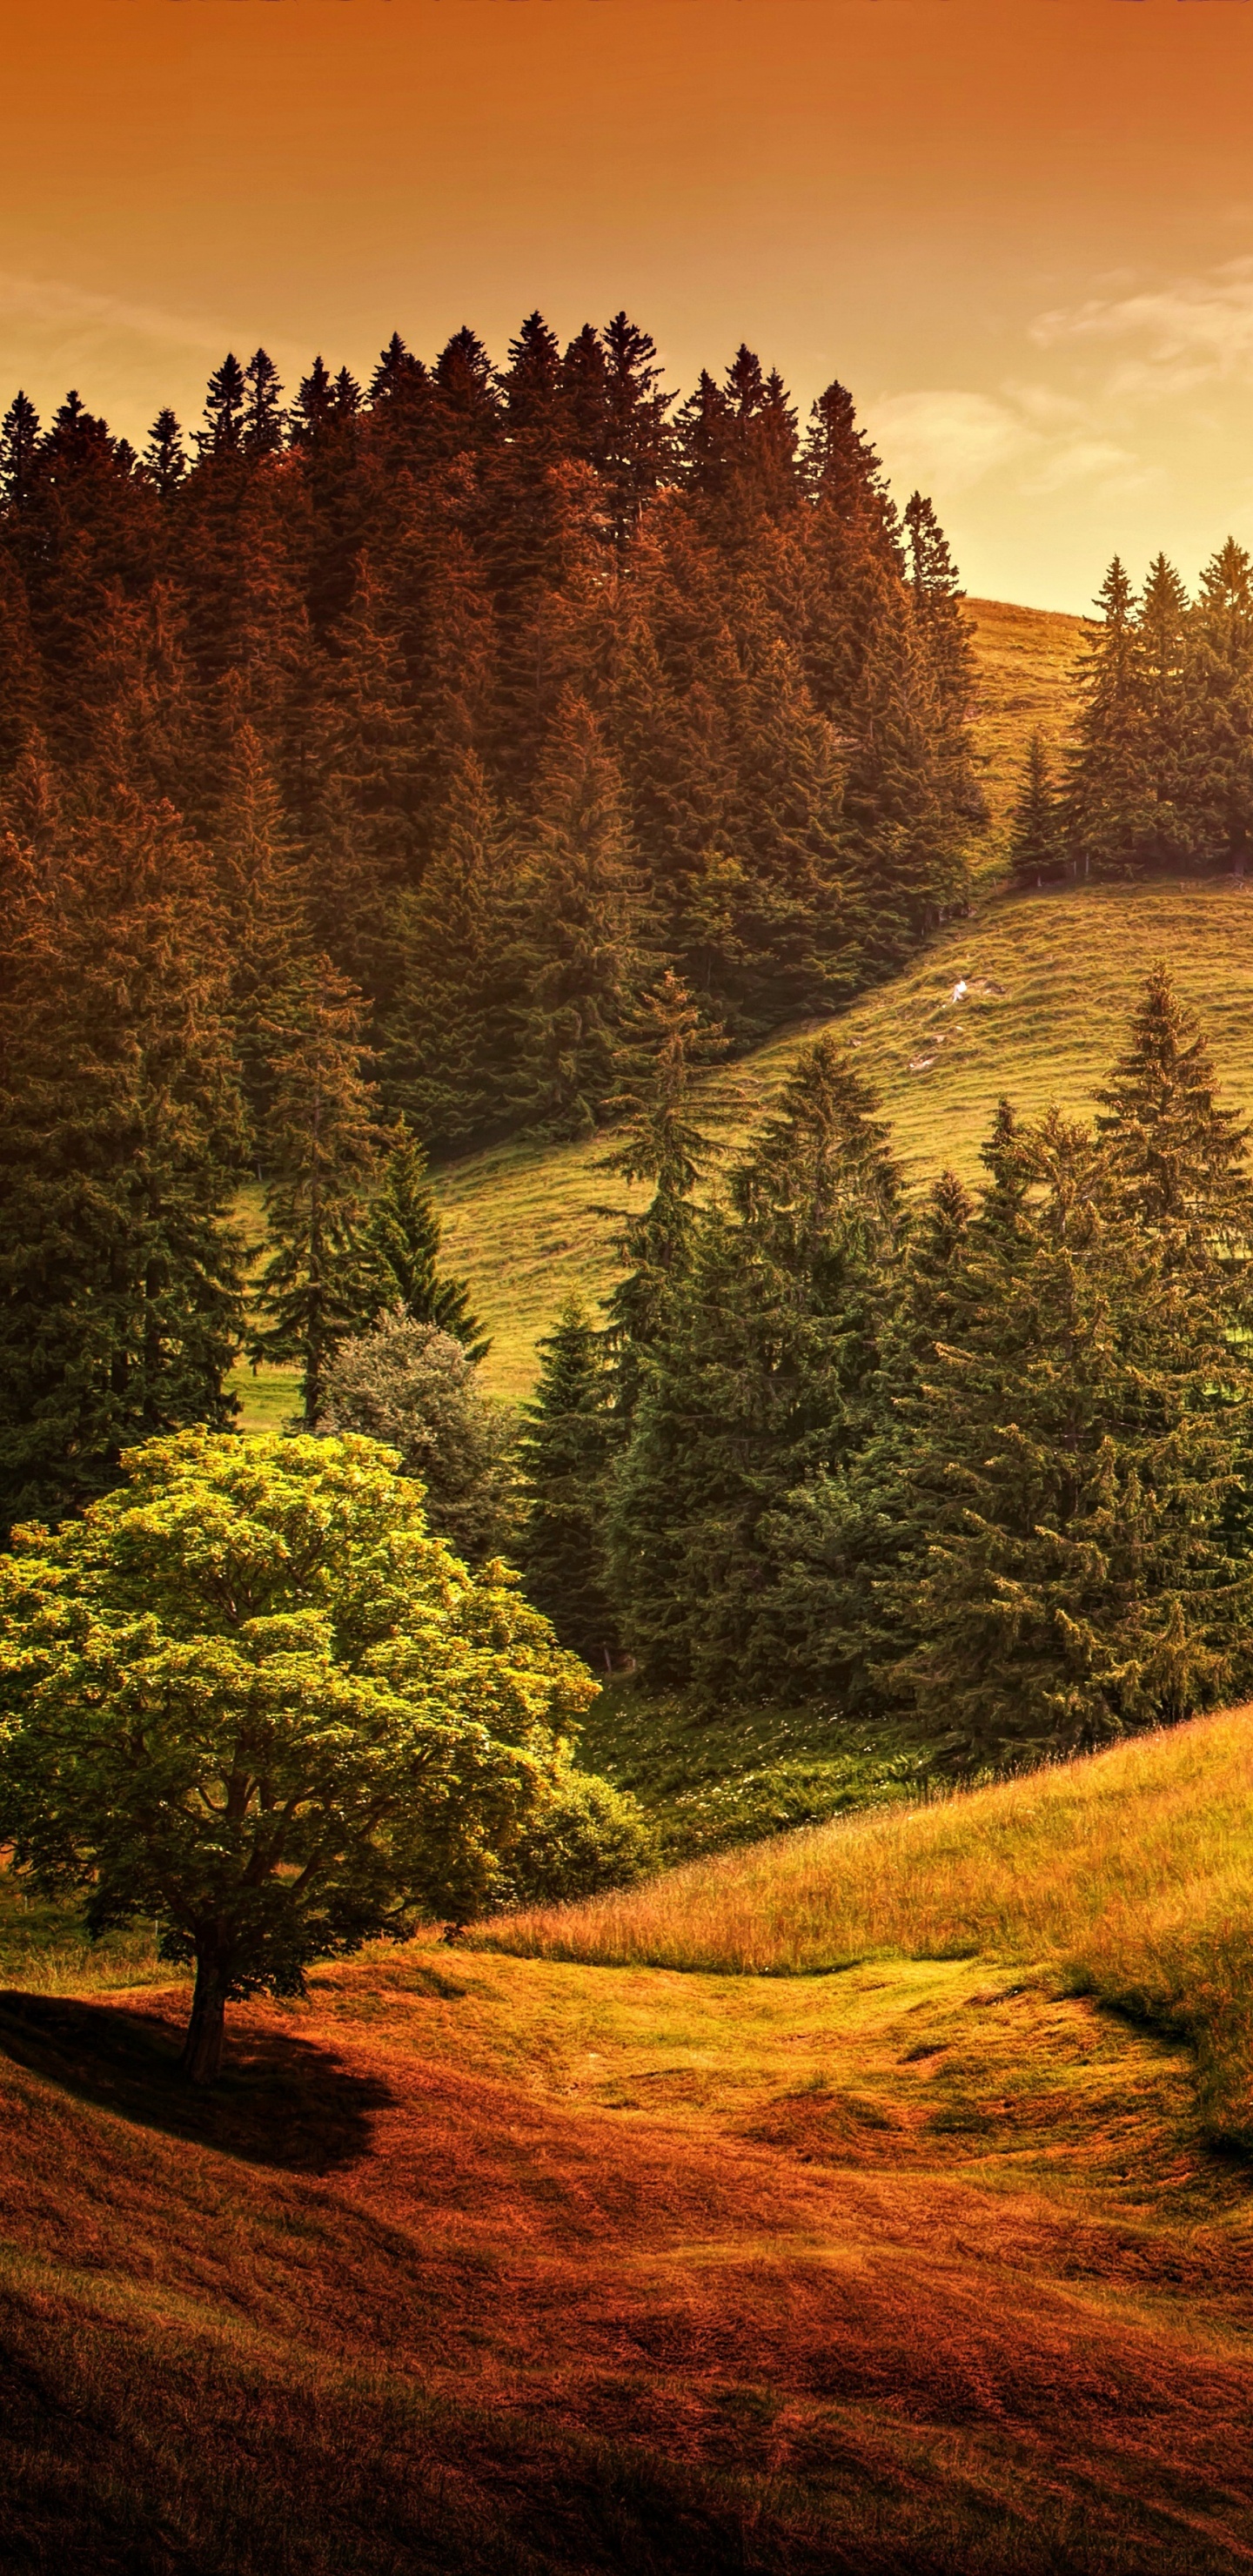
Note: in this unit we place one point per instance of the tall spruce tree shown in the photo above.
(1036, 847)
(580, 930)
(444, 1060)
(400, 1248)
(570, 1438)
(121, 1134)
(1076, 1581)
(758, 1381)
(667, 1041)
(320, 1156)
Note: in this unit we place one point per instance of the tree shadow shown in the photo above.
(280, 2100)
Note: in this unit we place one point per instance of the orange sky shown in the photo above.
(1020, 230)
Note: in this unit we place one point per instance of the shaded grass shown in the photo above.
(711, 1778)
(1129, 1874)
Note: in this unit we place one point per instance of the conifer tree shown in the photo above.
(758, 1381)
(1108, 818)
(835, 1540)
(1035, 840)
(567, 1445)
(165, 457)
(400, 1246)
(444, 1061)
(19, 450)
(319, 1151)
(263, 903)
(579, 932)
(121, 1274)
(1181, 1160)
(1220, 694)
(660, 1141)
(265, 421)
(224, 407)
(1075, 1581)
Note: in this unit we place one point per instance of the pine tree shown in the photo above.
(1182, 1161)
(638, 445)
(444, 1063)
(320, 1154)
(400, 1247)
(1220, 693)
(758, 1381)
(121, 1296)
(1036, 849)
(265, 421)
(165, 457)
(1076, 1581)
(225, 403)
(263, 902)
(835, 1540)
(666, 1040)
(579, 929)
(565, 1451)
(1108, 803)
(19, 450)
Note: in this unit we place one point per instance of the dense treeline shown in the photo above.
(500, 690)
(981, 1460)
(1160, 771)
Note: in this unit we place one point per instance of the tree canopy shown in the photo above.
(249, 1695)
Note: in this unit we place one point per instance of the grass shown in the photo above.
(1051, 978)
(1130, 1875)
(480, 2260)
(712, 1778)
(1026, 660)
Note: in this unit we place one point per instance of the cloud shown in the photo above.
(947, 439)
(1194, 331)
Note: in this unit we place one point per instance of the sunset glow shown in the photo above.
(1020, 230)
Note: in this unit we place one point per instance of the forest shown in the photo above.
(491, 750)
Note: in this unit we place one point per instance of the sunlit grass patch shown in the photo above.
(1129, 1875)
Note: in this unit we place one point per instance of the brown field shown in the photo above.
(485, 2263)
(930, 2265)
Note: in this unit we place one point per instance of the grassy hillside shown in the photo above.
(486, 2260)
(1050, 978)
(1025, 659)
(522, 1220)
(1130, 1874)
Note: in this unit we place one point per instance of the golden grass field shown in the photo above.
(1129, 1875)
(576, 2260)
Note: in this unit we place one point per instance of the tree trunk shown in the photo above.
(201, 2061)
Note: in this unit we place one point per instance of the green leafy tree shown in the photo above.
(321, 1156)
(398, 1255)
(413, 1386)
(250, 1696)
(569, 1438)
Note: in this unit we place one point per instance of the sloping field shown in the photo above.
(479, 2262)
(1050, 979)
(1129, 1875)
(1026, 660)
